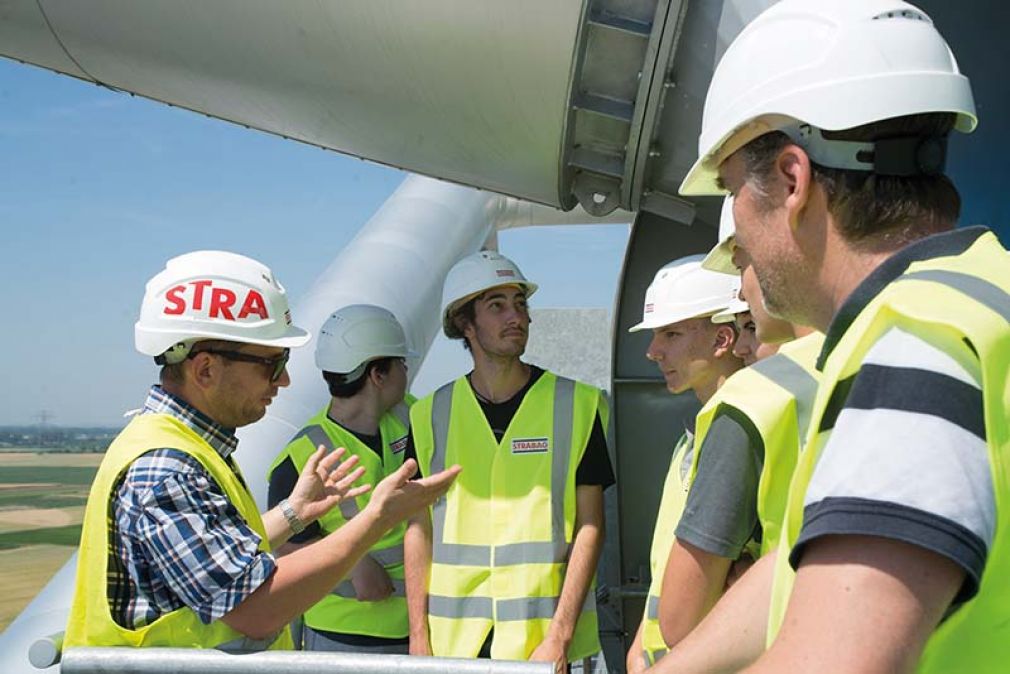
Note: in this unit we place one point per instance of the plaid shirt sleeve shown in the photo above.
(193, 539)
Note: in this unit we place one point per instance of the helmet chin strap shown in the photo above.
(903, 156)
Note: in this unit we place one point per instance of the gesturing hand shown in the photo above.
(324, 482)
(398, 497)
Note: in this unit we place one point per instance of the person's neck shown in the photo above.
(192, 397)
(359, 413)
(706, 390)
(498, 379)
(844, 268)
(802, 330)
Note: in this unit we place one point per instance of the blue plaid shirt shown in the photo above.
(177, 540)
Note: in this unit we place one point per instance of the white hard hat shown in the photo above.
(827, 64)
(736, 306)
(683, 290)
(720, 258)
(356, 334)
(473, 275)
(212, 294)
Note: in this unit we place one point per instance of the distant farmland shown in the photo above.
(42, 497)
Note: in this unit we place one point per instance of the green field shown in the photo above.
(41, 505)
(61, 475)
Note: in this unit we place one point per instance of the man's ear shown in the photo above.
(725, 337)
(378, 378)
(202, 370)
(795, 176)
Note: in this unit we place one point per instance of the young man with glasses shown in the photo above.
(174, 551)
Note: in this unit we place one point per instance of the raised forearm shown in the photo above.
(277, 528)
(304, 576)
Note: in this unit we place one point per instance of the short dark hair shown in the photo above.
(873, 210)
(460, 318)
(341, 388)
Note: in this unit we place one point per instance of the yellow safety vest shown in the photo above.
(340, 611)
(91, 622)
(777, 395)
(502, 534)
(953, 300)
(671, 507)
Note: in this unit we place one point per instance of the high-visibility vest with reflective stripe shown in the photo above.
(949, 301)
(777, 395)
(91, 622)
(671, 507)
(501, 536)
(340, 611)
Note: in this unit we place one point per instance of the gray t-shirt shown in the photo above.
(720, 516)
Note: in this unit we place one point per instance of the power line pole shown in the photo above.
(43, 417)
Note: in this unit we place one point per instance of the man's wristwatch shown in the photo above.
(296, 524)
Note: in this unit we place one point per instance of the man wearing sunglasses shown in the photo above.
(174, 551)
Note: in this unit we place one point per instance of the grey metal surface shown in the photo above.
(649, 419)
(595, 102)
(209, 661)
(25, 36)
(46, 651)
(472, 92)
(45, 615)
(696, 42)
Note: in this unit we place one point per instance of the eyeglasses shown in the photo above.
(276, 364)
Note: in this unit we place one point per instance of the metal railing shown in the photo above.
(210, 661)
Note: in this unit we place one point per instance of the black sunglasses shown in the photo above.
(276, 364)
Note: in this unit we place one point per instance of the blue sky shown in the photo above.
(99, 188)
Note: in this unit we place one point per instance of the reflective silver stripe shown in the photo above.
(349, 508)
(532, 608)
(389, 556)
(791, 376)
(530, 553)
(460, 607)
(658, 654)
(442, 552)
(980, 290)
(527, 608)
(346, 589)
(402, 413)
(317, 436)
(652, 607)
(564, 411)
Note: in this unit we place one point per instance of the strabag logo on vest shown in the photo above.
(531, 445)
(398, 446)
